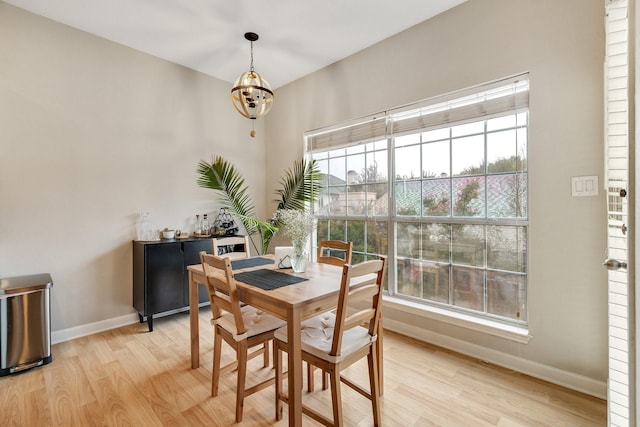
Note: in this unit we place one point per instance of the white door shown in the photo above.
(619, 131)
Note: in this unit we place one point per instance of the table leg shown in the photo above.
(294, 377)
(194, 327)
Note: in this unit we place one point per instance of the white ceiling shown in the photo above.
(297, 37)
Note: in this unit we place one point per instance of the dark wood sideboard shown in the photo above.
(160, 279)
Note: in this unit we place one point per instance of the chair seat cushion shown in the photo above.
(317, 337)
(255, 320)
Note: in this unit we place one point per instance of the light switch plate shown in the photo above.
(584, 186)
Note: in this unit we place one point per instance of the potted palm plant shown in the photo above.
(300, 185)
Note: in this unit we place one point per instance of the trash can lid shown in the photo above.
(19, 284)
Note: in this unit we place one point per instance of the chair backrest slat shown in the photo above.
(224, 242)
(358, 318)
(328, 249)
(223, 293)
(353, 291)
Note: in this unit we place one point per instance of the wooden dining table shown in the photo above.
(292, 303)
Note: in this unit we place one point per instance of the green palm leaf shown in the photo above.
(300, 184)
(265, 229)
(222, 176)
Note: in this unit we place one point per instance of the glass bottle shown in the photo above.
(143, 227)
(140, 225)
(198, 227)
(205, 224)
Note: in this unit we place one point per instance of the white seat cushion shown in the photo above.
(256, 322)
(317, 337)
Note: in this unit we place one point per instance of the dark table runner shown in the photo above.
(268, 279)
(249, 262)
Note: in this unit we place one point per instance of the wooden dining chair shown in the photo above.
(229, 247)
(333, 349)
(242, 328)
(334, 252)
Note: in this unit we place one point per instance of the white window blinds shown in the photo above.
(348, 134)
(491, 99)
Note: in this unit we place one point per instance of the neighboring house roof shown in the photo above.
(333, 184)
(329, 180)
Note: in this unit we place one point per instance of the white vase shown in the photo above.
(300, 257)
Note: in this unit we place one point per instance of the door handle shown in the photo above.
(614, 264)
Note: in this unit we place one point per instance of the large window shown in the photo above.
(441, 188)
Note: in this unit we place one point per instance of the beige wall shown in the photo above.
(91, 133)
(561, 44)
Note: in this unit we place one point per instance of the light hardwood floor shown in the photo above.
(130, 377)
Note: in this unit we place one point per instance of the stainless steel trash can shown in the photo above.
(25, 322)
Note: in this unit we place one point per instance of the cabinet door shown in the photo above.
(165, 275)
(192, 256)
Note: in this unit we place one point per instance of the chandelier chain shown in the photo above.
(251, 68)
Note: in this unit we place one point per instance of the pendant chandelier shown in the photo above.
(251, 94)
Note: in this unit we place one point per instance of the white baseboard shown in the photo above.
(548, 373)
(93, 328)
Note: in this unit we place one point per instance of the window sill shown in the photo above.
(509, 332)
